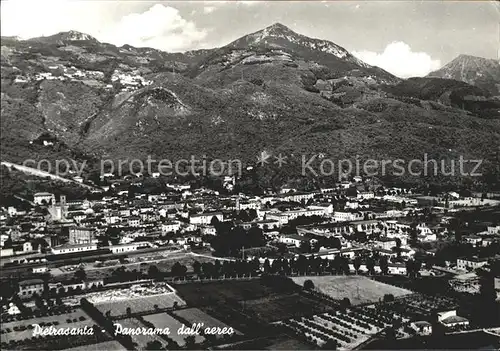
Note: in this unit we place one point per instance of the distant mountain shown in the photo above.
(274, 90)
(278, 42)
(478, 71)
(65, 37)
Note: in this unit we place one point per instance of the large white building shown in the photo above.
(67, 248)
(340, 216)
(43, 198)
(168, 227)
(128, 247)
(471, 263)
(296, 197)
(205, 218)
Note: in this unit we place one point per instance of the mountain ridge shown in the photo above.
(275, 91)
(474, 70)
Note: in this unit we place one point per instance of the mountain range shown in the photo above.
(273, 91)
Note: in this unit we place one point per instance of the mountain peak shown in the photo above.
(74, 35)
(71, 35)
(475, 70)
(471, 59)
(278, 27)
(280, 37)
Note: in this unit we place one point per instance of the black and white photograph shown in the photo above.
(250, 175)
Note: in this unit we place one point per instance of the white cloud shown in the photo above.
(161, 27)
(208, 9)
(400, 60)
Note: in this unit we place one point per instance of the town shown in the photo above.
(358, 265)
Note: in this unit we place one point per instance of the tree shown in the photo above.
(81, 275)
(384, 265)
(214, 221)
(398, 247)
(305, 246)
(197, 267)
(178, 270)
(308, 285)
(330, 344)
(190, 342)
(357, 263)
(370, 265)
(154, 345)
(38, 301)
(388, 297)
(153, 272)
(267, 266)
(345, 303)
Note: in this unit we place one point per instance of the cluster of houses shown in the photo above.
(380, 222)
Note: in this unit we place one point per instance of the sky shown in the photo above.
(406, 38)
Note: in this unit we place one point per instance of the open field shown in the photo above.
(220, 291)
(164, 320)
(269, 300)
(357, 289)
(18, 330)
(194, 315)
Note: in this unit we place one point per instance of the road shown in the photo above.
(43, 174)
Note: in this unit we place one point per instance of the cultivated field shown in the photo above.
(268, 300)
(276, 308)
(22, 330)
(141, 340)
(107, 345)
(357, 289)
(194, 315)
(278, 342)
(164, 320)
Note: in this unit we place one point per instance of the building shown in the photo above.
(27, 247)
(205, 218)
(82, 235)
(471, 263)
(386, 243)
(41, 269)
(29, 287)
(292, 239)
(169, 227)
(421, 327)
(494, 229)
(327, 208)
(397, 268)
(450, 319)
(58, 211)
(365, 195)
(473, 239)
(466, 283)
(208, 230)
(43, 198)
(68, 248)
(340, 216)
(248, 205)
(296, 197)
(134, 221)
(116, 249)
